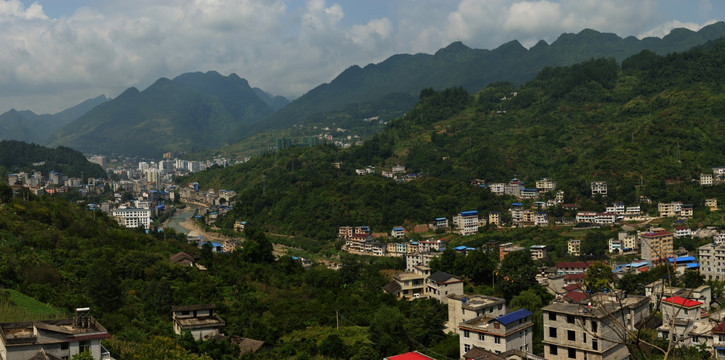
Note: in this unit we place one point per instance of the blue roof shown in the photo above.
(440, 219)
(459, 248)
(693, 265)
(398, 228)
(531, 189)
(517, 204)
(683, 259)
(513, 316)
(469, 213)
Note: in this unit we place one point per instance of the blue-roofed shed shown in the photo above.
(683, 259)
(513, 316)
(440, 219)
(398, 229)
(460, 248)
(517, 204)
(693, 265)
(469, 213)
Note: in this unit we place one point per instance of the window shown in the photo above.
(553, 350)
(466, 333)
(572, 353)
(64, 346)
(500, 307)
(595, 344)
(552, 316)
(552, 332)
(571, 335)
(496, 339)
(594, 326)
(84, 346)
(467, 348)
(481, 337)
(570, 319)
(584, 337)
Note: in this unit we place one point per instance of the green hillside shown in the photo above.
(458, 65)
(636, 125)
(16, 156)
(192, 112)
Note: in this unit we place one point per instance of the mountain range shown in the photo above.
(197, 111)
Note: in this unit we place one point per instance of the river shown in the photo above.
(181, 216)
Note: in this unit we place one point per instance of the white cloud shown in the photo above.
(665, 28)
(286, 47)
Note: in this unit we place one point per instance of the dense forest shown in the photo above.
(69, 257)
(16, 156)
(635, 125)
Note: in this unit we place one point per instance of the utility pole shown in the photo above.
(337, 318)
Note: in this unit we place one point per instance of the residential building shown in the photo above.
(133, 217)
(441, 284)
(718, 339)
(660, 289)
(494, 218)
(666, 209)
(53, 339)
(711, 204)
(629, 241)
(466, 307)
(599, 188)
(541, 219)
(422, 259)
(712, 261)
(576, 331)
(529, 193)
(586, 216)
(407, 285)
(686, 211)
(505, 249)
(514, 187)
(497, 188)
(656, 245)
(439, 223)
(617, 208)
(357, 242)
(682, 321)
(705, 179)
(397, 233)
(559, 196)
(574, 247)
(538, 252)
(512, 331)
(679, 308)
(425, 246)
(467, 222)
(344, 232)
(615, 245)
(576, 267)
(682, 231)
(545, 185)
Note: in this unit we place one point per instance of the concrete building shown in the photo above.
(599, 188)
(441, 284)
(512, 331)
(419, 259)
(538, 252)
(466, 307)
(712, 261)
(545, 185)
(574, 247)
(398, 232)
(53, 339)
(133, 217)
(711, 204)
(467, 222)
(656, 245)
(494, 218)
(578, 331)
(198, 319)
(407, 285)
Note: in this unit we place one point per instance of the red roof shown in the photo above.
(413, 355)
(682, 301)
(682, 228)
(577, 296)
(572, 287)
(720, 328)
(579, 276)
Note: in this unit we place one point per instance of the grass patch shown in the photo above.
(16, 306)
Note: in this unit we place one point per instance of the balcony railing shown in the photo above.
(105, 354)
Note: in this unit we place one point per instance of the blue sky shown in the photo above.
(58, 53)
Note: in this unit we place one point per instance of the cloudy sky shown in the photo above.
(57, 53)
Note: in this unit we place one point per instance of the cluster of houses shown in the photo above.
(396, 172)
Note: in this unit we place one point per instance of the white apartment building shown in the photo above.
(133, 217)
(467, 222)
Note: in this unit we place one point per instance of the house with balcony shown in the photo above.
(466, 307)
(398, 232)
(538, 252)
(512, 331)
(711, 204)
(467, 222)
(599, 188)
(53, 339)
(200, 320)
(407, 285)
(545, 185)
(439, 223)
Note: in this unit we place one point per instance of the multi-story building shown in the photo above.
(441, 284)
(559, 196)
(545, 185)
(344, 232)
(431, 245)
(415, 259)
(512, 331)
(718, 340)
(586, 216)
(467, 222)
(629, 241)
(53, 339)
(576, 267)
(656, 245)
(505, 249)
(409, 285)
(541, 219)
(592, 330)
(712, 261)
(574, 247)
(514, 187)
(538, 252)
(494, 218)
(133, 217)
(705, 179)
(398, 232)
(466, 307)
(599, 188)
(439, 223)
(200, 320)
(711, 204)
(666, 209)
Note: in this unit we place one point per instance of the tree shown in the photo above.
(86, 355)
(517, 274)
(594, 245)
(6, 193)
(693, 279)
(598, 278)
(332, 346)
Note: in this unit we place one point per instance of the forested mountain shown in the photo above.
(31, 127)
(636, 125)
(194, 111)
(16, 156)
(460, 66)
